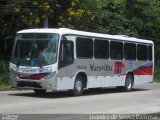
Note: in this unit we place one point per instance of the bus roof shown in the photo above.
(63, 31)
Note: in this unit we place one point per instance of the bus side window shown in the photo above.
(116, 50)
(142, 52)
(130, 51)
(66, 54)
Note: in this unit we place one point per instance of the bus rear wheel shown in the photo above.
(129, 83)
(39, 91)
(78, 86)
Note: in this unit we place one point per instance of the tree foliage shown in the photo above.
(76, 13)
(136, 18)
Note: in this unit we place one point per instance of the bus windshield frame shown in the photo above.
(35, 49)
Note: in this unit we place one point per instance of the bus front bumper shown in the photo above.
(50, 83)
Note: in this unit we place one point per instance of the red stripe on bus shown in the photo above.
(145, 71)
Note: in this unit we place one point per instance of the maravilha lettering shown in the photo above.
(100, 68)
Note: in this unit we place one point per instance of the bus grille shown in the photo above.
(29, 84)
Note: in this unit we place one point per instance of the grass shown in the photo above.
(4, 81)
(157, 72)
(4, 75)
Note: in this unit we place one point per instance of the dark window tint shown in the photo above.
(142, 52)
(130, 51)
(150, 52)
(84, 47)
(101, 49)
(116, 50)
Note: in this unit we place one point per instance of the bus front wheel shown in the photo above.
(78, 86)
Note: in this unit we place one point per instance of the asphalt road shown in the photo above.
(143, 99)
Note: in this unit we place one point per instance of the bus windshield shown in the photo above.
(35, 49)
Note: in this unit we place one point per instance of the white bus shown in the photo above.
(66, 59)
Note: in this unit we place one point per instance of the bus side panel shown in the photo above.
(138, 80)
(107, 81)
(105, 73)
(65, 83)
(143, 72)
(66, 77)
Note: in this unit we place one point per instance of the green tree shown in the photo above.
(136, 18)
(144, 15)
(77, 15)
(21, 14)
(105, 16)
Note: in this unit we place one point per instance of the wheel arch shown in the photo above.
(132, 74)
(84, 76)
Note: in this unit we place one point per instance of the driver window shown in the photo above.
(66, 53)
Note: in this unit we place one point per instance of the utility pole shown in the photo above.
(45, 22)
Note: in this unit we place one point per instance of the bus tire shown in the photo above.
(39, 91)
(129, 83)
(78, 86)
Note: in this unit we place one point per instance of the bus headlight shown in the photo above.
(50, 75)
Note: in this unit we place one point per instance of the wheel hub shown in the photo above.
(129, 83)
(78, 86)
